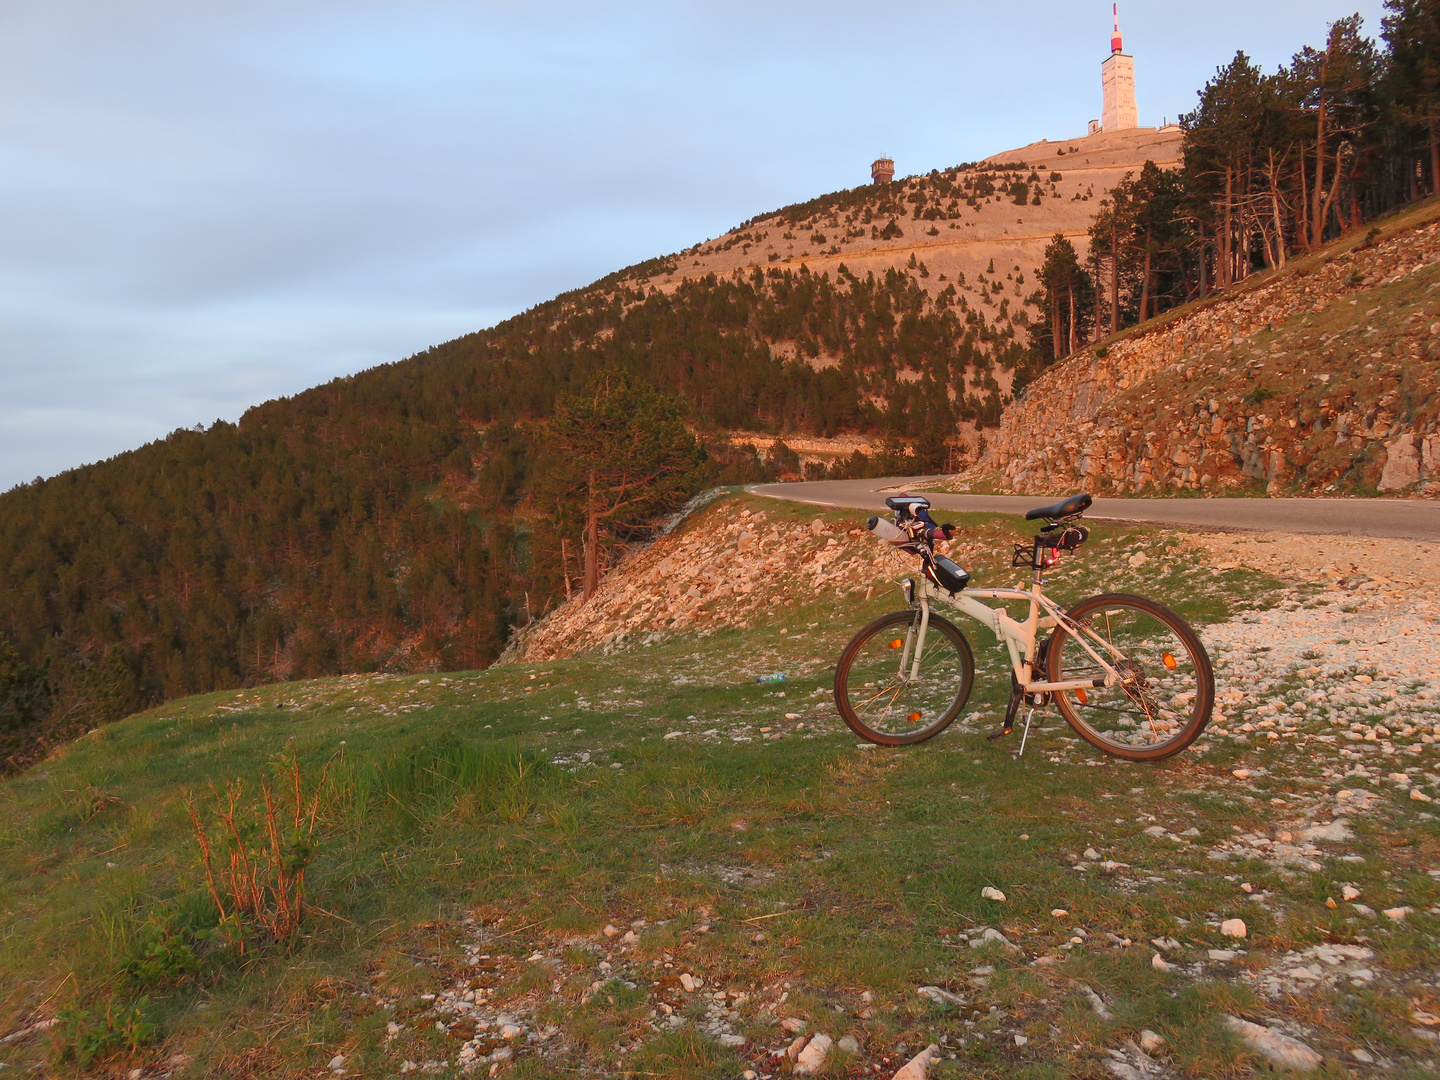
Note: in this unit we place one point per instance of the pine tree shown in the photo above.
(618, 455)
(1068, 297)
(25, 689)
(1412, 30)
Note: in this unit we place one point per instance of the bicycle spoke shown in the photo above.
(915, 703)
(1155, 707)
(891, 702)
(877, 697)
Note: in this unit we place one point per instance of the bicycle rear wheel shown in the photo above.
(882, 696)
(1167, 688)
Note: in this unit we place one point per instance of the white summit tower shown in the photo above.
(1117, 78)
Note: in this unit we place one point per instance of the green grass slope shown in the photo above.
(480, 831)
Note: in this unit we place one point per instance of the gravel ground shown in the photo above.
(1348, 665)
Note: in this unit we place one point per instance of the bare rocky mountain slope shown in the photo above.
(958, 235)
(945, 221)
(1317, 379)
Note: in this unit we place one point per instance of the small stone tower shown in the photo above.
(882, 170)
(1117, 80)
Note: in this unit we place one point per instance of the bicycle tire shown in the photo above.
(1161, 653)
(933, 701)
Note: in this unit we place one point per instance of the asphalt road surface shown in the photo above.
(1409, 519)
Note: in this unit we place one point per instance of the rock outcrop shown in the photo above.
(727, 566)
(1323, 378)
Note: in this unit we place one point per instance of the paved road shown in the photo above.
(1410, 519)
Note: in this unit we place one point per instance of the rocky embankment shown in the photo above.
(723, 568)
(1323, 379)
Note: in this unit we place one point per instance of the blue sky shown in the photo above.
(206, 205)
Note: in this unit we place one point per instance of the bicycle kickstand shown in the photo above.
(1026, 733)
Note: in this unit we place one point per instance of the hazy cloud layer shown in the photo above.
(206, 205)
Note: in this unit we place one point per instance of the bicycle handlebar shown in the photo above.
(893, 534)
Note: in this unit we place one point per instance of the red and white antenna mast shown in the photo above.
(1115, 44)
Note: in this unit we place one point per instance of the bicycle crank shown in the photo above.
(1012, 709)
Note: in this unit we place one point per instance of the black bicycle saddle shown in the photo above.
(1073, 505)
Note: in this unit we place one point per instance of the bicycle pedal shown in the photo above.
(998, 734)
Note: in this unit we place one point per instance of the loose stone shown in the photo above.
(1284, 1051)
(812, 1058)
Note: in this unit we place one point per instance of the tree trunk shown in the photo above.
(592, 543)
(1434, 156)
(1227, 236)
(1240, 250)
(1145, 285)
(1279, 221)
(1073, 341)
(1302, 208)
(1317, 217)
(1334, 191)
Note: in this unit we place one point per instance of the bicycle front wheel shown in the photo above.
(1166, 690)
(891, 696)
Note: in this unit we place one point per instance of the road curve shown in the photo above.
(1407, 519)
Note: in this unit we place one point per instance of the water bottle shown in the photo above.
(777, 677)
(887, 531)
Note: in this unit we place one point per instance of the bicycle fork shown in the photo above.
(915, 644)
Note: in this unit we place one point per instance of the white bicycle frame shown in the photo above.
(1019, 637)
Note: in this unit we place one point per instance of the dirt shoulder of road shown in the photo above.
(1384, 566)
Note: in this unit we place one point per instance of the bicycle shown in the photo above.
(1127, 673)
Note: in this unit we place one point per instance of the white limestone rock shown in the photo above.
(1284, 1051)
(918, 1067)
(939, 995)
(812, 1058)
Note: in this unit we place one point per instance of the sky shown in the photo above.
(207, 205)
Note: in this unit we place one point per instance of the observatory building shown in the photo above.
(882, 170)
(1117, 80)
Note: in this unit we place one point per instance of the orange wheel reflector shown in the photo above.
(1080, 693)
(914, 718)
(1168, 661)
(897, 643)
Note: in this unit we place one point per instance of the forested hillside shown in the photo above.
(382, 521)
